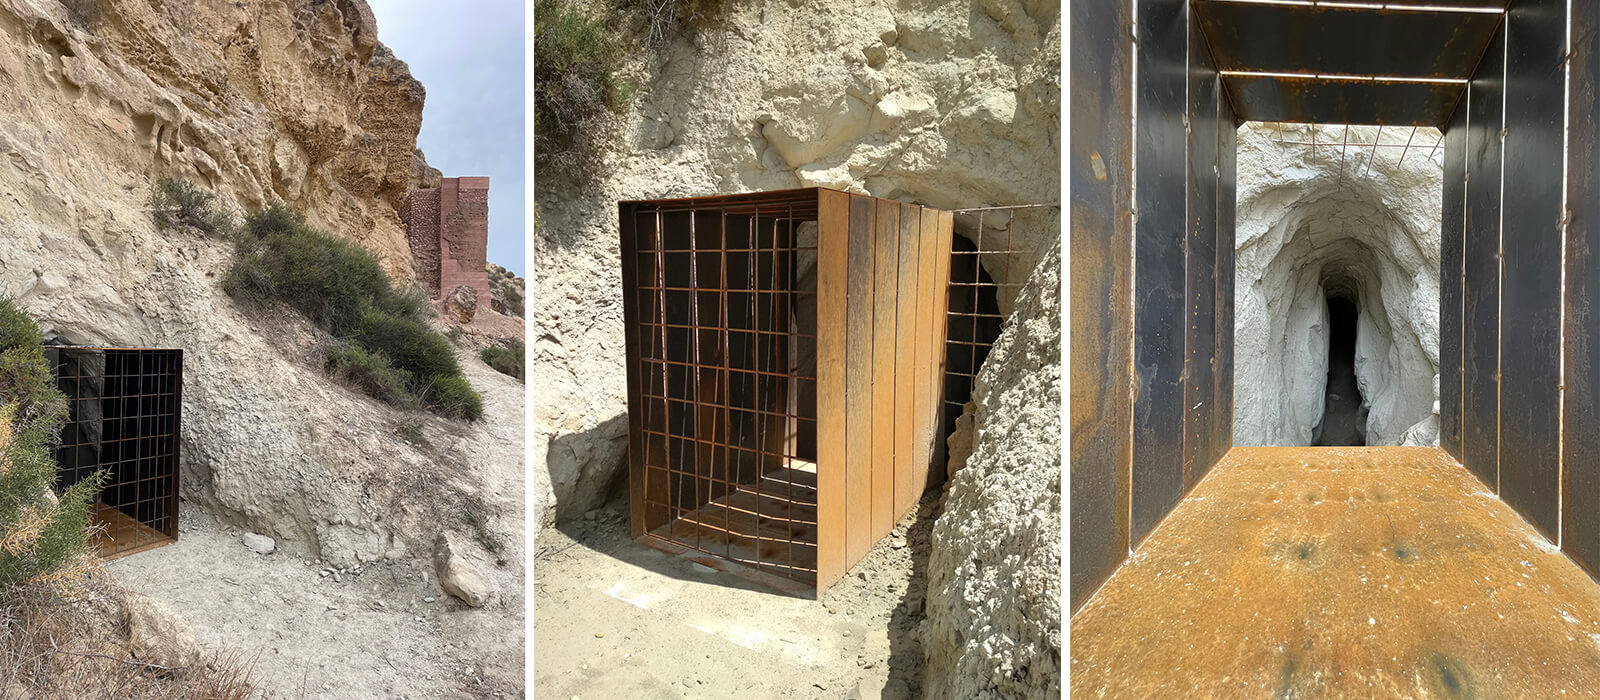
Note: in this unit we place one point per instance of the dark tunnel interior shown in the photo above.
(1344, 416)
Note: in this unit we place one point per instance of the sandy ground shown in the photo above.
(613, 619)
(372, 634)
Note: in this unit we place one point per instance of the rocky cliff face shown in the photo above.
(1312, 226)
(994, 574)
(950, 105)
(293, 101)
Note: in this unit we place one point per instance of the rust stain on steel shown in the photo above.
(1341, 572)
(832, 280)
(1329, 101)
(886, 255)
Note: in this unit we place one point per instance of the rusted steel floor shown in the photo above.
(1341, 572)
(119, 535)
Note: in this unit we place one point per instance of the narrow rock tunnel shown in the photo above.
(1344, 410)
(1338, 288)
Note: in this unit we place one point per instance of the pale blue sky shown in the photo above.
(469, 56)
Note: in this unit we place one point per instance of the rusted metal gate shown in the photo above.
(124, 417)
(785, 352)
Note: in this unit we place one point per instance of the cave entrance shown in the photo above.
(124, 408)
(1344, 413)
(973, 325)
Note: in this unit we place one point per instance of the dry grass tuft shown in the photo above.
(69, 641)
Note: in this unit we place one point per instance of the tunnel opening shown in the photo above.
(973, 325)
(1338, 248)
(1344, 413)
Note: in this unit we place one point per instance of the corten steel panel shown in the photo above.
(858, 379)
(1325, 101)
(1451, 217)
(1580, 522)
(931, 303)
(833, 223)
(1480, 340)
(1101, 294)
(630, 322)
(886, 259)
(1452, 3)
(941, 267)
(1227, 169)
(1159, 317)
(906, 452)
(1530, 334)
(1201, 290)
(1345, 40)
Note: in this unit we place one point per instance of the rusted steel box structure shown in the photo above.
(125, 406)
(785, 355)
(1511, 84)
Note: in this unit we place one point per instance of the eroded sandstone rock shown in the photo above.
(994, 586)
(156, 635)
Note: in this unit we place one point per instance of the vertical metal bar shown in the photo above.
(756, 377)
(1342, 148)
(1374, 154)
(694, 377)
(731, 479)
(666, 373)
(791, 393)
(1402, 160)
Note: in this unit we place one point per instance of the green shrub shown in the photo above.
(371, 374)
(409, 345)
(39, 542)
(412, 432)
(451, 395)
(578, 60)
(506, 360)
(664, 19)
(389, 352)
(329, 280)
(178, 202)
(276, 218)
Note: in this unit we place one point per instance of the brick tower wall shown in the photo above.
(464, 236)
(421, 218)
(448, 228)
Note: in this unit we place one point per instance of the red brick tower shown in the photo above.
(448, 227)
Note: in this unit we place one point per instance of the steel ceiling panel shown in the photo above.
(1343, 40)
(1275, 99)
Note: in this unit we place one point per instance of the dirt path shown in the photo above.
(370, 634)
(613, 618)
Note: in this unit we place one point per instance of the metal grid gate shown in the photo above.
(784, 357)
(728, 341)
(973, 317)
(125, 406)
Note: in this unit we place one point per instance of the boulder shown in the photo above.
(156, 635)
(462, 303)
(460, 576)
(260, 544)
(994, 585)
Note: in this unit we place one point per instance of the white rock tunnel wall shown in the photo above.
(1312, 224)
